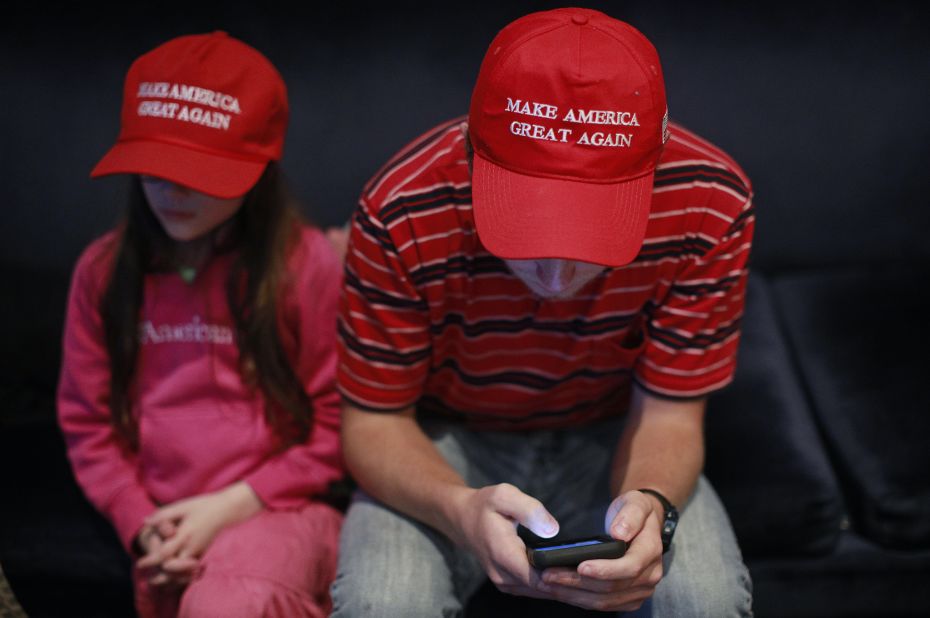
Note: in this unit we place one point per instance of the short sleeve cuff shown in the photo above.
(371, 400)
(684, 390)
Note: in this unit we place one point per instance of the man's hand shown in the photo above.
(488, 523)
(622, 584)
(195, 522)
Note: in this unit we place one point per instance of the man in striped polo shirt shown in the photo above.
(538, 300)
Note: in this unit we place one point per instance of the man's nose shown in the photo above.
(555, 274)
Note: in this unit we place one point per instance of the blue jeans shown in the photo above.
(393, 566)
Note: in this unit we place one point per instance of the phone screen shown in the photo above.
(579, 544)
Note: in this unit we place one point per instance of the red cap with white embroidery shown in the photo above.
(567, 121)
(205, 111)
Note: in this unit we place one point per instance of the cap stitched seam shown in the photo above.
(632, 53)
(536, 174)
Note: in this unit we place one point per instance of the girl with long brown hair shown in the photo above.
(197, 393)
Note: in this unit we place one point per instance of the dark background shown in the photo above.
(813, 99)
(818, 449)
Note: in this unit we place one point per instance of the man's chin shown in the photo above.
(548, 294)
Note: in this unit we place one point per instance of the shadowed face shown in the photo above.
(186, 214)
(554, 278)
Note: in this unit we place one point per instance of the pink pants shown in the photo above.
(278, 563)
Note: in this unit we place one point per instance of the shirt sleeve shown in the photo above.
(288, 479)
(384, 336)
(693, 335)
(107, 472)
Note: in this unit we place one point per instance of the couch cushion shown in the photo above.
(858, 578)
(33, 309)
(61, 557)
(868, 384)
(764, 455)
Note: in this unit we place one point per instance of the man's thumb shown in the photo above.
(540, 522)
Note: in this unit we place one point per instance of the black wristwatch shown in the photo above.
(671, 518)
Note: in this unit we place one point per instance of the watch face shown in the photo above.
(668, 528)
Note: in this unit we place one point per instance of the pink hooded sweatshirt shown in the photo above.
(200, 427)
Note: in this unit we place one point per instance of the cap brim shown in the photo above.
(528, 217)
(205, 172)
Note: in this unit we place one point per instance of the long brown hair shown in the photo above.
(261, 233)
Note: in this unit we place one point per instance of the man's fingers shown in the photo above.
(563, 576)
(512, 567)
(647, 578)
(612, 511)
(597, 594)
(539, 521)
(525, 509)
(642, 556)
(520, 581)
(627, 515)
(523, 591)
(621, 600)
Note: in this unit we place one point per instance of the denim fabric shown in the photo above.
(391, 565)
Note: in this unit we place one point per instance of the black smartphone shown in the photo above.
(545, 554)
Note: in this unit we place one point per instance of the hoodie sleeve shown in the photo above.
(107, 473)
(286, 480)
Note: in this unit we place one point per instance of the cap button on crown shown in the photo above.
(580, 19)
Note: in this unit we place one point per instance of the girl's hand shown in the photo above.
(339, 238)
(197, 521)
(174, 570)
(151, 537)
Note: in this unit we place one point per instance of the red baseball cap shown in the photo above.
(567, 121)
(205, 111)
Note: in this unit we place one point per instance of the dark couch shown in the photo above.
(820, 447)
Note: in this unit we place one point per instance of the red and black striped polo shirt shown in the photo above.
(430, 319)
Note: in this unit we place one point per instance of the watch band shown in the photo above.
(666, 504)
(670, 521)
